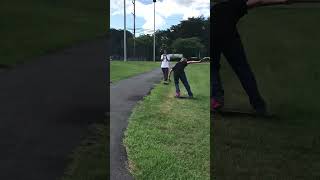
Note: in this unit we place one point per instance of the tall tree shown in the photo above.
(198, 27)
(189, 47)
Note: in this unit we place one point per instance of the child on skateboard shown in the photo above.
(226, 40)
(179, 73)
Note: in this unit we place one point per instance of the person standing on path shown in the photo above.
(179, 73)
(226, 40)
(165, 65)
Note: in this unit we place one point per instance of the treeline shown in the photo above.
(191, 38)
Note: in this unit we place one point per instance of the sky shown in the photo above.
(168, 13)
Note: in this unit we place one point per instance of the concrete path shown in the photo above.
(123, 97)
(46, 107)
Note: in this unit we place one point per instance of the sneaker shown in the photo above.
(216, 105)
(177, 94)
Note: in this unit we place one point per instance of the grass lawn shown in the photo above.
(90, 159)
(283, 49)
(33, 28)
(122, 70)
(169, 138)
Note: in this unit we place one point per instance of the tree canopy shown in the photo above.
(190, 37)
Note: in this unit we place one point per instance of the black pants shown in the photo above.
(234, 52)
(165, 72)
(182, 76)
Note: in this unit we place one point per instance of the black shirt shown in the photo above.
(179, 67)
(225, 17)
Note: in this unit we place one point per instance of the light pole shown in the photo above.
(124, 32)
(154, 30)
(134, 28)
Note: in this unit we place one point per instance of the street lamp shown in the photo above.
(134, 28)
(124, 32)
(154, 30)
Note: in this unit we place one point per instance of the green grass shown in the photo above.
(169, 138)
(33, 28)
(122, 70)
(283, 49)
(90, 160)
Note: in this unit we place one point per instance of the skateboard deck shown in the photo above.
(184, 97)
(233, 112)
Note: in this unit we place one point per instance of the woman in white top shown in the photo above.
(165, 65)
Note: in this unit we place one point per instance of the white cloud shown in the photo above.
(164, 9)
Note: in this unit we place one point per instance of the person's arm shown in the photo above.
(257, 3)
(193, 62)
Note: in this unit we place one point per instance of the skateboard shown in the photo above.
(233, 112)
(184, 97)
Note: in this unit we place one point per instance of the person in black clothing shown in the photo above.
(179, 73)
(225, 39)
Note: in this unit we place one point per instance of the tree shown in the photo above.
(116, 40)
(144, 47)
(189, 47)
(193, 27)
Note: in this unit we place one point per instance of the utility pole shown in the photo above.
(124, 32)
(154, 30)
(134, 28)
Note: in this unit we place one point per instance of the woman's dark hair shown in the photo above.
(163, 51)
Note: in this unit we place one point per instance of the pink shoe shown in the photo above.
(215, 105)
(177, 94)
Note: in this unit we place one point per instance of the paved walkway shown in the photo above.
(46, 107)
(123, 97)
